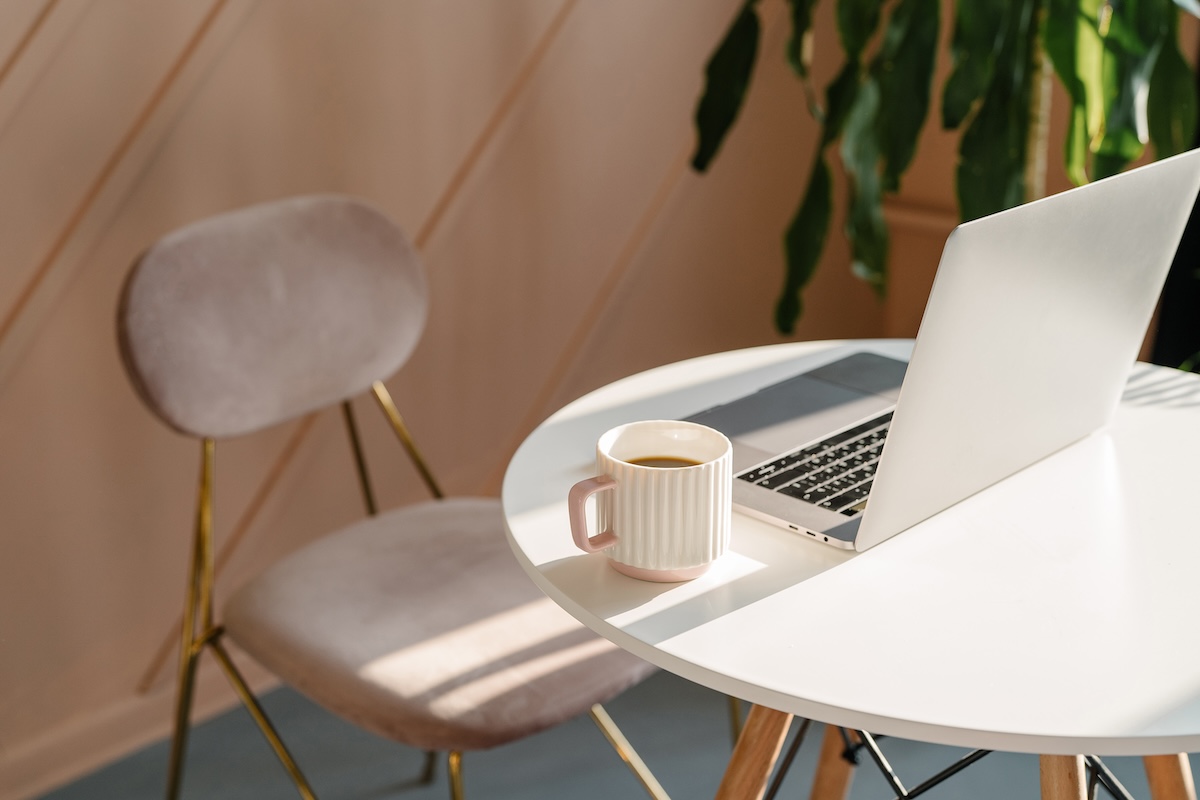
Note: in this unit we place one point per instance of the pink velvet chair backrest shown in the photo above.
(253, 317)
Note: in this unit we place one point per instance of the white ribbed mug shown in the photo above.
(664, 522)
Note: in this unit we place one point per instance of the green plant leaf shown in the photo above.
(1125, 26)
(803, 243)
(857, 22)
(991, 167)
(727, 76)
(1171, 107)
(797, 48)
(865, 225)
(978, 36)
(805, 238)
(1137, 34)
(839, 99)
(1072, 40)
(903, 70)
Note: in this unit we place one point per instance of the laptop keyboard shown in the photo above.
(835, 473)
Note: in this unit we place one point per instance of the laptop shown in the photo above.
(1034, 321)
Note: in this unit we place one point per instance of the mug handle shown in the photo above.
(576, 499)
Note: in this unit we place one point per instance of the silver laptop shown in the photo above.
(1032, 326)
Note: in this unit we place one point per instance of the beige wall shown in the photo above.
(537, 152)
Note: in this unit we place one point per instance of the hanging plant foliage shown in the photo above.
(1118, 60)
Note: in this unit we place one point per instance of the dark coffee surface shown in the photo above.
(663, 461)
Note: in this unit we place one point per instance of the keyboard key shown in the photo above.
(806, 494)
(846, 450)
(813, 449)
(758, 473)
(859, 430)
(824, 459)
(778, 465)
(860, 475)
(848, 498)
(854, 510)
(780, 478)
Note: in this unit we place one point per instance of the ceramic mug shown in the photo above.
(663, 499)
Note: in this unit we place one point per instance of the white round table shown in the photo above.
(1052, 613)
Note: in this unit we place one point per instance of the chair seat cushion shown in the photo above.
(418, 624)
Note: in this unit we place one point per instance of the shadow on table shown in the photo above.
(757, 568)
(1157, 386)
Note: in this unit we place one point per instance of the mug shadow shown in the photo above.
(755, 569)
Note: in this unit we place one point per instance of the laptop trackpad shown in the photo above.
(865, 372)
(789, 414)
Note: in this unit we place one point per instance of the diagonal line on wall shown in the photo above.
(9, 346)
(601, 299)
(40, 42)
(26, 38)
(155, 672)
(503, 109)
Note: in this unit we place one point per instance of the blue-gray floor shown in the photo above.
(680, 729)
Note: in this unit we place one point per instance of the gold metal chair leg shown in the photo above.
(260, 717)
(183, 708)
(627, 753)
(198, 632)
(196, 617)
(390, 411)
(360, 458)
(454, 762)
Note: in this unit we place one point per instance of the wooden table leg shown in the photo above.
(1170, 777)
(755, 754)
(834, 773)
(1063, 778)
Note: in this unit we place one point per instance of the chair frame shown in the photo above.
(200, 631)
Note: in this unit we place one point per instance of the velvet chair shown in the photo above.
(415, 623)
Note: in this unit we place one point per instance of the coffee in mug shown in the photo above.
(663, 492)
(664, 461)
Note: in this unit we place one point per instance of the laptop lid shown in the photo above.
(1035, 318)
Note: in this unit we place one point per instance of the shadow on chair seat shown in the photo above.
(484, 660)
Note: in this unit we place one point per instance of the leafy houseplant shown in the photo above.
(1118, 60)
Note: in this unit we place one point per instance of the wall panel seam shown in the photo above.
(586, 329)
(26, 39)
(40, 274)
(503, 108)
